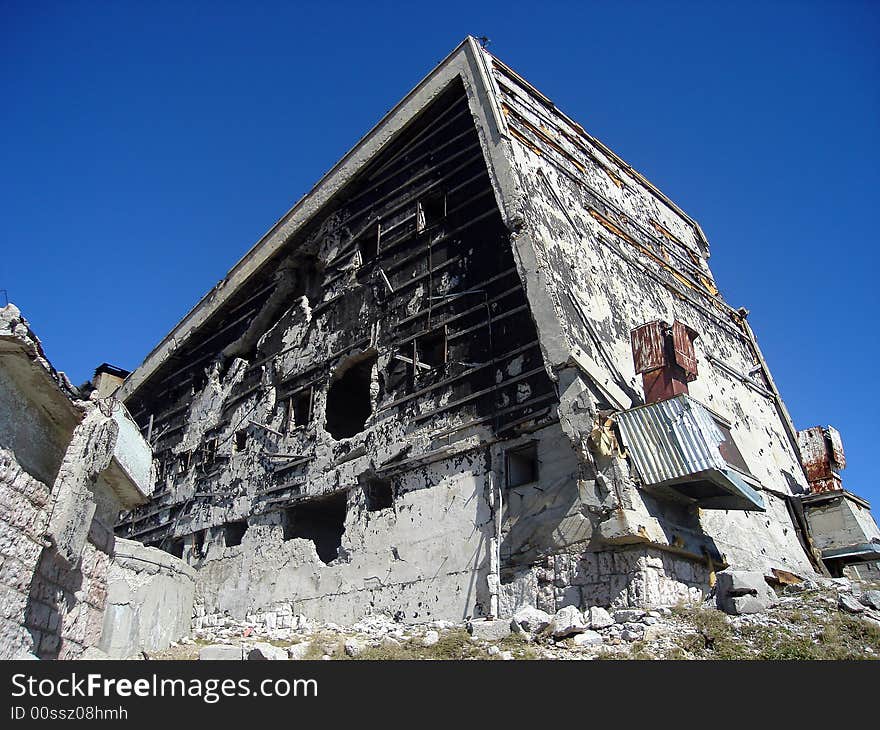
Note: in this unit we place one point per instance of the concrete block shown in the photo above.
(587, 638)
(598, 617)
(489, 630)
(738, 592)
(532, 619)
(871, 599)
(298, 652)
(220, 652)
(628, 615)
(567, 621)
(846, 602)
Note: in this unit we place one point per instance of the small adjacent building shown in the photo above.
(68, 467)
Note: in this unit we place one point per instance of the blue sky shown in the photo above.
(145, 146)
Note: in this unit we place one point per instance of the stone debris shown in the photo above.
(598, 618)
(489, 630)
(849, 603)
(587, 638)
(299, 651)
(871, 599)
(628, 616)
(570, 634)
(567, 621)
(532, 619)
(740, 592)
(263, 651)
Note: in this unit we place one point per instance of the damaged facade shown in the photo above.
(483, 364)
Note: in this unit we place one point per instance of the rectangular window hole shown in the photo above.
(368, 243)
(431, 211)
(431, 348)
(241, 440)
(522, 465)
(300, 409)
(378, 493)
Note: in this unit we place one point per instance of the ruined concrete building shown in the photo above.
(483, 363)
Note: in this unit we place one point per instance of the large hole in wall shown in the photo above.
(233, 532)
(348, 399)
(320, 520)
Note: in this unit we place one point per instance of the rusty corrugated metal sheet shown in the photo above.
(671, 439)
(677, 447)
(648, 347)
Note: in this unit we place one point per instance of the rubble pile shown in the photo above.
(808, 619)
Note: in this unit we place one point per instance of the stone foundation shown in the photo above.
(629, 578)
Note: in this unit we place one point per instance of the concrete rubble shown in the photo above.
(798, 613)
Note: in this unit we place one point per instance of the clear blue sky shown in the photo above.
(145, 146)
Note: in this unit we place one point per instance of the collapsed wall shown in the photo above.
(409, 396)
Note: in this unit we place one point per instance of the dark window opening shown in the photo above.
(522, 465)
(431, 348)
(431, 211)
(379, 494)
(320, 520)
(348, 400)
(176, 548)
(183, 462)
(209, 452)
(240, 440)
(198, 543)
(233, 532)
(299, 409)
(368, 244)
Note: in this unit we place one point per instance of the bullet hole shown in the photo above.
(233, 532)
(348, 401)
(320, 520)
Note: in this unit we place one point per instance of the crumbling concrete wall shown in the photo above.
(602, 252)
(49, 608)
(634, 576)
(401, 560)
(149, 600)
(391, 345)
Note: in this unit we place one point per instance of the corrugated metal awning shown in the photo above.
(678, 448)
